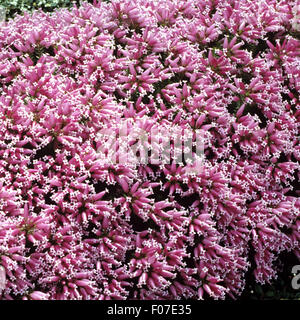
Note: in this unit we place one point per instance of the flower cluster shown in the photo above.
(80, 218)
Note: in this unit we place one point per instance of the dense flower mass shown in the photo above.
(76, 225)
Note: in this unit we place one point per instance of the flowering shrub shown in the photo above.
(73, 226)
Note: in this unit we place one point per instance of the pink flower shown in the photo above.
(104, 109)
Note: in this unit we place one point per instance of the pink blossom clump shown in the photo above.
(73, 226)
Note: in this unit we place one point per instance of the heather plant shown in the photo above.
(86, 92)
